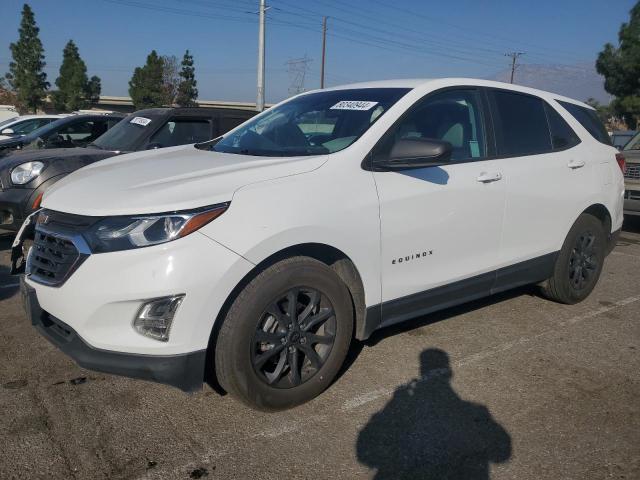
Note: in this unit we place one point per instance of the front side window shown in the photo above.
(84, 131)
(520, 124)
(312, 124)
(181, 132)
(453, 116)
(588, 118)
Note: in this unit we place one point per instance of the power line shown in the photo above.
(415, 43)
(297, 69)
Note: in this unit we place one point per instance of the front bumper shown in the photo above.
(97, 304)
(184, 371)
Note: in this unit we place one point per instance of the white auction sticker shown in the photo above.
(354, 105)
(141, 121)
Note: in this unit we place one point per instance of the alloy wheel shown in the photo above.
(583, 261)
(293, 338)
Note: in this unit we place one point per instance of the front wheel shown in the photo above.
(286, 335)
(579, 263)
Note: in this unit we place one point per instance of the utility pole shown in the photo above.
(514, 56)
(260, 96)
(324, 49)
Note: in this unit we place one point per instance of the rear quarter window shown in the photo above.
(562, 135)
(588, 118)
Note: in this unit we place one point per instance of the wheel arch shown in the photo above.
(339, 262)
(602, 213)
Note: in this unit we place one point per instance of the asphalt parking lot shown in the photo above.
(508, 387)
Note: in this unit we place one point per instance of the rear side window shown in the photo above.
(562, 136)
(588, 118)
(520, 124)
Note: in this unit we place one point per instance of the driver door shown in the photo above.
(440, 226)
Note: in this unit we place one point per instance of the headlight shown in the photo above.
(113, 234)
(26, 172)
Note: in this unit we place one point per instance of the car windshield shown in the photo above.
(8, 121)
(125, 135)
(312, 124)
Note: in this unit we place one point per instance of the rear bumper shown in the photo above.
(632, 199)
(184, 371)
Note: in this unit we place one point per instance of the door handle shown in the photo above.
(489, 177)
(573, 164)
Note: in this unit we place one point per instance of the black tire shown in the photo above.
(253, 329)
(579, 263)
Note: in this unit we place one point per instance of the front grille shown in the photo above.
(52, 258)
(633, 171)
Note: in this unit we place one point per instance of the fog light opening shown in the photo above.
(155, 317)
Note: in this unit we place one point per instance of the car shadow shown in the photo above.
(428, 431)
(631, 224)
(8, 283)
(357, 345)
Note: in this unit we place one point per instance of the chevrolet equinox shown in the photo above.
(258, 256)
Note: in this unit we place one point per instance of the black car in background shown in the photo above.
(26, 174)
(67, 132)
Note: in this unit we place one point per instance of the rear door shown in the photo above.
(546, 177)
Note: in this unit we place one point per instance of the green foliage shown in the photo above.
(605, 112)
(75, 91)
(187, 91)
(146, 86)
(170, 78)
(26, 77)
(620, 67)
(94, 87)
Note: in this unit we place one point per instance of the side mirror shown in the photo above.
(409, 153)
(7, 131)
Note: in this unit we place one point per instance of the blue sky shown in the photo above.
(367, 39)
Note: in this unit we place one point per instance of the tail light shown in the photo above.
(622, 163)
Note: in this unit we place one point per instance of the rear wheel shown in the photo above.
(579, 263)
(286, 335)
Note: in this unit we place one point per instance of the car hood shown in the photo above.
(165, 180)
(82, 155)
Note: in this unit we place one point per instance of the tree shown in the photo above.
(146, 86)
(26, 76)
(94, 87)
(170, 78)
(75, 91)
(604, 111)
(620, 67)
(187, 91)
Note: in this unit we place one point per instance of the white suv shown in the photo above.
(260, 255)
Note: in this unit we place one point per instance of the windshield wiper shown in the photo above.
(93, 145)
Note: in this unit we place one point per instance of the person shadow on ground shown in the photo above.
(427, 431)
